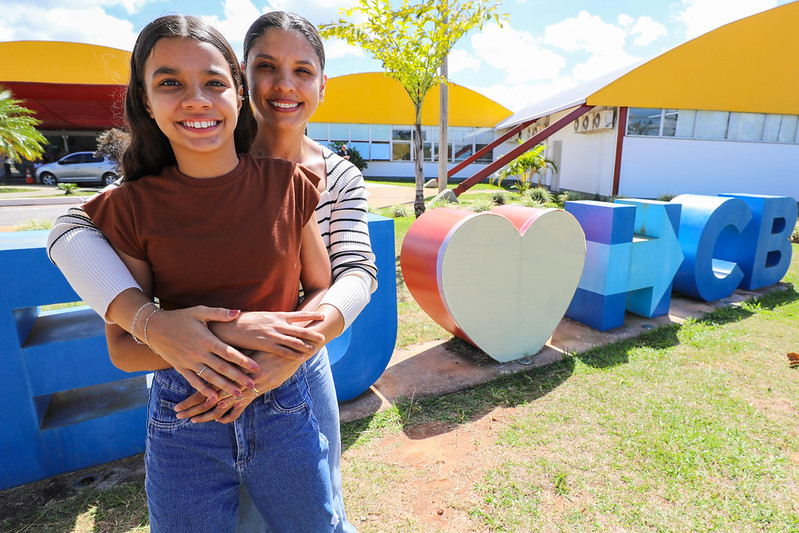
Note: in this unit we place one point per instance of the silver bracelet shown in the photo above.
(135, 318)
(147, 342)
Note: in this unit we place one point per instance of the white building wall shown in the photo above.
(586, 162)
(652, 167)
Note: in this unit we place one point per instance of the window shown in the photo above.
(318, 131)
(381, 132)
(400, 143)
(359, 132)
(686, 120)
(670, 118)
(362, 147)
(380, 151)
(746, 126)
(711, 124)
(643, 121)
(788, 129)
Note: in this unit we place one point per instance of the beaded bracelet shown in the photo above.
(147, 321)
(135, 318)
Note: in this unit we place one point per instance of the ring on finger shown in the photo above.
(255, 391)
(200, 373)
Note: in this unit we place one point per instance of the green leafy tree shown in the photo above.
(19, 138)
(526, 166)
(411, 41)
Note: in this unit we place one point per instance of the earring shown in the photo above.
(322, 98)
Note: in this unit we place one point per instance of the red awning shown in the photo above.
(72, 106)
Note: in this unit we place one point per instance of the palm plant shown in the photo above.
(526, 166)
(19, 137)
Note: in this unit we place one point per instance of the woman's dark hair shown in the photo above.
(149, 151)
(288, 22)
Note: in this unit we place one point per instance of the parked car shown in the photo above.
(80, 167)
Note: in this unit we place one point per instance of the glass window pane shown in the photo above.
(400, 151)
(484, 136)
(362, 147)
(788, 129)
(401, 133)
(381, 132)
(771, 129)
(359, 132)
(685, 123)
(643, 121)
(711, 124)
(427, 150)
(670, 122)
(746, 126)
(340, 131)
(486, 157)
(380, 151)
(317, 131)
(462, 151)
(459, 135)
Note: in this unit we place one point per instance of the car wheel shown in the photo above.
(109, 178)
(48, 179)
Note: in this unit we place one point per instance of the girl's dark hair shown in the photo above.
(149, 151)
(288, 22)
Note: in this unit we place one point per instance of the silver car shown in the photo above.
(79, 167)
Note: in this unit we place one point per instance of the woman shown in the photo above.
(284, 64)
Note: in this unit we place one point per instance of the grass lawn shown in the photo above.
(691, 427)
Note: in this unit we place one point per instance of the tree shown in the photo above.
(19, 138)
(526, 166)
(411, 41)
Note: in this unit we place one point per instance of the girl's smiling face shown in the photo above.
(286, 79)
(190, 93)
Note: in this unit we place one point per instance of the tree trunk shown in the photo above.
(443, 124)
(418, 203)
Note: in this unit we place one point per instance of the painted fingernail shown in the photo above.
(237, 393)
(254, 366)
(233, 312)
(250, 385)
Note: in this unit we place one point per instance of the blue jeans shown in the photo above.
(274, 448)
(325, 408)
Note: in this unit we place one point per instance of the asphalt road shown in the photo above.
(14, 215)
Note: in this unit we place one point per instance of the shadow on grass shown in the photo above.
(425, 417)
(617, 353)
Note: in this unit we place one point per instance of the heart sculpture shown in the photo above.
(501, 280)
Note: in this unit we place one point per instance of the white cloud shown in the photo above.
(336, 49)
(516, 53)
(47, 23)
(701, 16)
(461, 60)
(600, 64)
(237, 15)
(624, 20)
(647, 31)
(585, 32)
(518, 96)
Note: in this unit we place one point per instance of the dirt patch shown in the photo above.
(440, 464)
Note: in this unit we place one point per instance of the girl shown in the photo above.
(197, 224)
(278, 73)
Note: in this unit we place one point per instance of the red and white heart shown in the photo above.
(501, 280)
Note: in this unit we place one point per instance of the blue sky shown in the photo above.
(545, 46)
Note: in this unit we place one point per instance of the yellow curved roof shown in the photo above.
(374, 98)
(62, 62)
(748, 66)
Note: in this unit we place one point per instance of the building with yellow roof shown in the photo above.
(717, 113)
(77, 91)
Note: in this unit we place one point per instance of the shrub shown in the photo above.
(398, 211)
(795, 234)
(481, 205)
(539, 194)
(499, 198)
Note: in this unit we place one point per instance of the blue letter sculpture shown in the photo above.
(708, 226)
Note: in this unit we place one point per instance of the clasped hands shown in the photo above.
(279, 342)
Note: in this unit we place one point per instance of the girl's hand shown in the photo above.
(183, 339)
(279, 333)
(273, 371)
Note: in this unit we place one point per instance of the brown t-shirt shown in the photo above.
(231, 241)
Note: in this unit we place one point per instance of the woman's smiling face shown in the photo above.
(286, 79)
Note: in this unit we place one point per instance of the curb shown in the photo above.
(66, 200)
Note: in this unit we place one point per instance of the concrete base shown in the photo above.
(446, 195)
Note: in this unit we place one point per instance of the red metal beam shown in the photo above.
(621, 126)
(519, 150)
(496, 142)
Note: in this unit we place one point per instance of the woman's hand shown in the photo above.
(183, 339)
(282, 334)
(273, 371)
